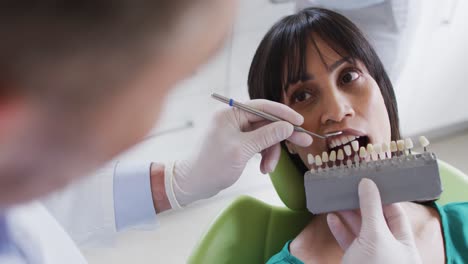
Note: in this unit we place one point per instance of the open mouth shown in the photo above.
(341, 141)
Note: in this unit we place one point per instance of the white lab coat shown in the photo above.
(50, 231)
(42, 238)
(85, 209)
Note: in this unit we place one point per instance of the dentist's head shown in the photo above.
(81, 81)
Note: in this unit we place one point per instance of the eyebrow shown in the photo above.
(307, 76)
(337, 63)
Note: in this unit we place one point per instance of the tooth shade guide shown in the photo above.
(401, 147)
(370, 148)
(363, 153)
(318, 161)
(378, 154)
(355, 145)
(340, 156)
(324, 156)
(338, 186)
(393, 147)
(377, 148)
(371, 152)
(332, 158)
(385, 147)
(347, 150)
(409, 145)
(382, 155)
(363, 162)
(386, 150)
(424, 142)
(310, 159)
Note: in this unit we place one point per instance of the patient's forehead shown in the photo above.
(320, 55)
(318, 58)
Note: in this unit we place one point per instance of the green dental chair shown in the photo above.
(251, 231)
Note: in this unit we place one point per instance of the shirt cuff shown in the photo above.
(133, 199)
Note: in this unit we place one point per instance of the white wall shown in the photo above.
(433, 89)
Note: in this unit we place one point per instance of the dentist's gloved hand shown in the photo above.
(384, 236)
(233, 138)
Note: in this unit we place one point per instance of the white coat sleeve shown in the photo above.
(116, 197)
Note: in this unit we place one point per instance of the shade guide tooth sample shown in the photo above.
(340, 155)
(332, 157)
(355, 145)
(325, 156)
(393, 146)
(377, 148)
(318, 160)
(362, 153)
(423, 141)
(310, 159)
(371, 152)
(408, 143)
(347, 150)
(385, 147)
(401, 145)
(385, 151)
(370, 149)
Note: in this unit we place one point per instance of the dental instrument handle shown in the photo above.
(267, 116)
(300, 129)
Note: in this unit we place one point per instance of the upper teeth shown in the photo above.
(341, 140)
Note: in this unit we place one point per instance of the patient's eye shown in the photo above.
(303, 95)
(349, 76)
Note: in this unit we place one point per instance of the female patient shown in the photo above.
(318, 63)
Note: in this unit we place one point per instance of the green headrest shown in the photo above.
(289, 183)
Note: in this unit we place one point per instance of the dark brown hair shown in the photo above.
(283, 50)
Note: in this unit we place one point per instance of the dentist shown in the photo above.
(80, 82)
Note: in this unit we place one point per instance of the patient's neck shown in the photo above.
(416, 214)
(317, 242)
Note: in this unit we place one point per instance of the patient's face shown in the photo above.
(338, 96)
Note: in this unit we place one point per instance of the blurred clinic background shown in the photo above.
(423, 45)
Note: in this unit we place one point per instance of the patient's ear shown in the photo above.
(291, 147)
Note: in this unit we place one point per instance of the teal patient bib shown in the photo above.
(454, 220)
